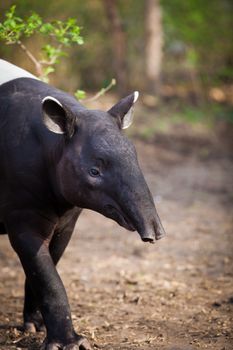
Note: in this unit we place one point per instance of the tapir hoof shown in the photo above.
(80, 344)
(33, 322)
(33, 327)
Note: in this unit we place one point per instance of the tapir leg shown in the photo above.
(29, 235)
(33, 320)
(63, 233)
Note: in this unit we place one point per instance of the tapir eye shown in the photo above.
(94, 172)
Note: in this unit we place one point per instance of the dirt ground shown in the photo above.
(126, 294)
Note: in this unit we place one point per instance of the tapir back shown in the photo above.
(22, 136)
(27, 147)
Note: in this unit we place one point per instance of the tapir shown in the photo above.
(57, 158)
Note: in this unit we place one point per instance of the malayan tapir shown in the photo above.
(58, 157)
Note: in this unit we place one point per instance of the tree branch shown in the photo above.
(37, 64)
(101, 92)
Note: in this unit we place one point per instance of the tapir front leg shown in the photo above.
(29, 235)
(33, 320)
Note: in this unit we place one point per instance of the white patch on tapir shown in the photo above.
(9, 71)
(136, 95)
(50, 124)
(128, 118)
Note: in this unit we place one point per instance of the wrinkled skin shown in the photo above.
(57, 158)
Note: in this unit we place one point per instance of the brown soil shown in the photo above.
(125, 294)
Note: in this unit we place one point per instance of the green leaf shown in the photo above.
(48, 70)
(80, 94)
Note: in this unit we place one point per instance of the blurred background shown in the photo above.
(178, 50)
(179, 55)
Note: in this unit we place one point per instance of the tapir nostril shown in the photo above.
(150, 240)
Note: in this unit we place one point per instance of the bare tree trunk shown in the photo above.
(154, 44)
(118, 45)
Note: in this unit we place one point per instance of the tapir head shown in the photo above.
(98, 168)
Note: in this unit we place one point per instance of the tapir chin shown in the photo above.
(58, 157)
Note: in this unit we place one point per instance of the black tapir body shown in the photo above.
(57, 157)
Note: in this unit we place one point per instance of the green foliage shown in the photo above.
(80, 94)
(14, 27)
(201, 30)
(60, 34)
(65, 33)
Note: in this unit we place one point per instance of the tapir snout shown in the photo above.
(146, 220)
(154, 231)
(132, 204)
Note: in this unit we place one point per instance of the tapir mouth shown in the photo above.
(121, 218)
(148, 233)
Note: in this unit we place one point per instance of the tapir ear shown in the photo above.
(57, 118)
(123, 110)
